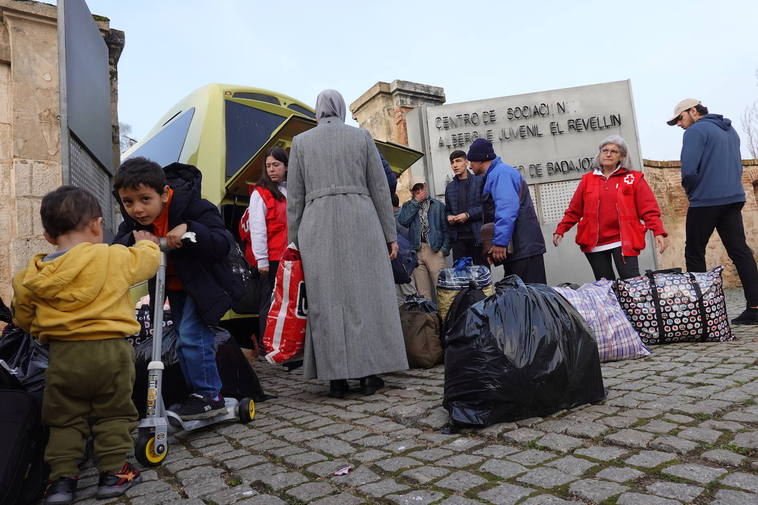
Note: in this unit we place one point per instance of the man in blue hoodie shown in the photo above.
(517, 240)
(711, 176)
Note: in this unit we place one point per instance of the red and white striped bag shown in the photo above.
(284, 337)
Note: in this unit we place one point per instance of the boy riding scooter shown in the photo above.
(167, 203)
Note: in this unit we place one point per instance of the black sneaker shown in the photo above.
(748, 316)
(61, 491)
(111, 485)
(199, 407)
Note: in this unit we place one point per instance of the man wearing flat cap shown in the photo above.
(517, 240)
(427, 231)
(711, 176)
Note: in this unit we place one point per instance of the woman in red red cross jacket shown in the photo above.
(609, 204)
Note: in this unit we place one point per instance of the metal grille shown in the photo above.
(534, 194)
(86, 173)
(554, 199)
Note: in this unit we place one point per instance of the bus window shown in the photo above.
(257, 96)
(301, 110)
(247, 129)
(166, 146)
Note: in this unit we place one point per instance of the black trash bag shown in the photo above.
(524, 352)
(417, 303)
(238, 379)
(24, 358)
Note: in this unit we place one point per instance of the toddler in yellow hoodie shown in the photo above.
(76, 299)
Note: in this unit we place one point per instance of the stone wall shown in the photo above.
(381, 110)
(30, 155)
(665, 180)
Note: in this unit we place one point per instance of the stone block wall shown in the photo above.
(30, 155)
(29, 131)
(664, 178)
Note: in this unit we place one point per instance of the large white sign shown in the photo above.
(548, 136)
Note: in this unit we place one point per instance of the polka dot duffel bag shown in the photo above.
(669, 306)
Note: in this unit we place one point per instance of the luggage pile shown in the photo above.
(532, 350)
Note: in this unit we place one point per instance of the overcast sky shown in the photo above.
(670, 49)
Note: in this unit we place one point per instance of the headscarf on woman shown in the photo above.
(330, 104)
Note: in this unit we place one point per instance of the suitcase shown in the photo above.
(23, 473)
(670, 306)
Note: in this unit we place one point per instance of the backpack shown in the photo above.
(242, 276)
(406, 261)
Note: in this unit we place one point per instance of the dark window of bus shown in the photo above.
(258, 96)
(301, 110)
(247, 129)
(166, 146)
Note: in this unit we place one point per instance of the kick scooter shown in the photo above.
(153, 431)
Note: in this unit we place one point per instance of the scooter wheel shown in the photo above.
(246, 410)
(145, 452)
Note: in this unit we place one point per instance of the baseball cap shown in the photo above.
(417, 183)
(682, 106)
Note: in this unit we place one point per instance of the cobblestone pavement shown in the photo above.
(678, 427)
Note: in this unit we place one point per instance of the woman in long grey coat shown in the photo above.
(340, 216)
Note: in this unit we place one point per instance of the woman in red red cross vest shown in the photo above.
(609, 204)
(266, 222)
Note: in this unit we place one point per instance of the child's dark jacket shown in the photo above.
(202, 266)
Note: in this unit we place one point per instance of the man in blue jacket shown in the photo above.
(517, 240)
(427, 226)
(463, 203)
(712, 179)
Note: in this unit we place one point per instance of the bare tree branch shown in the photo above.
(750, 125)
(125, 140)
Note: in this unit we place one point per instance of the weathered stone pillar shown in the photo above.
(382, 109)
(665, 179)
(30, 155)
